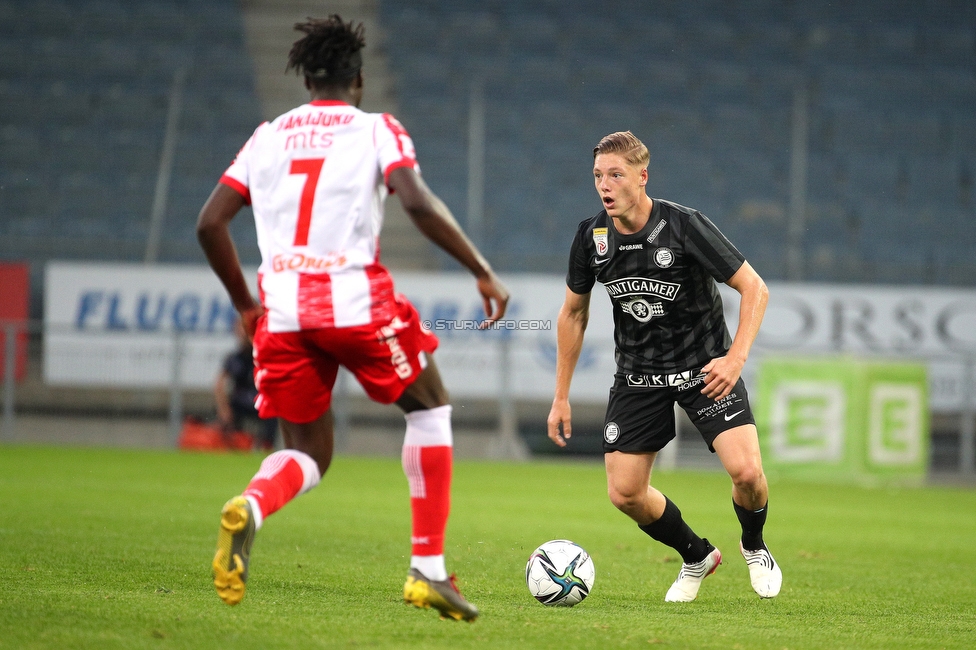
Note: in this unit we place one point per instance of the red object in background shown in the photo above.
(200, 436)
(14, 304)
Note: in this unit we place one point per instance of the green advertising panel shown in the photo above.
(843, 418)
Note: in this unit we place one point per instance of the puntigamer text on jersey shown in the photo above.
(632, 286)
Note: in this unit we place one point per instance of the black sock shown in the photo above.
(752, 522)
(672, 531)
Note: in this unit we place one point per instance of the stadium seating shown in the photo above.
(710, 88)
(84, 92)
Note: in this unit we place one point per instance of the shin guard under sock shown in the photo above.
(282, 476)
(427, 462)
(752, 522)
(672, 531)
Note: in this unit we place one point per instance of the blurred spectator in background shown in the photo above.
(234, 394)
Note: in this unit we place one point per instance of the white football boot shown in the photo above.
(764, 572)
(685, 587)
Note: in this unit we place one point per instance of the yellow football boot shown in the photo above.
(442, 595)
(233, 550)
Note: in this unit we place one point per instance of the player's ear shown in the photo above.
(643, 177)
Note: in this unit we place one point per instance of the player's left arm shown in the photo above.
(433, 218)
(213, 232)
(722, 373)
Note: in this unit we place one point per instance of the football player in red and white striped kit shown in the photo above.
(316, 178)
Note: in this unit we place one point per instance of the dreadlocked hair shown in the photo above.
(329, 53)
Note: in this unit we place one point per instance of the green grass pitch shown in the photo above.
(112, 549)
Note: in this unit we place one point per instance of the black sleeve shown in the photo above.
(580, 278)
(710, 248)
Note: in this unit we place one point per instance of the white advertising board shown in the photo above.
(937, 321)
(468, 358)
(114, 325)
(935, 325)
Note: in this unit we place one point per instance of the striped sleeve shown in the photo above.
(580, 278)
(237, 175)
(394, 146)
(706, 243)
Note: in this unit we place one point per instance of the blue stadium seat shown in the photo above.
(533, 34)
(753, 176)
(739, 127)
(935, 181)
(827, 179)
(770, 40)
(725, 82)
(724, 40)
(661, 82)
(857, 130)
(951, 45)
(709, 86)
(675, 126)
(83, 98)
(873, 177)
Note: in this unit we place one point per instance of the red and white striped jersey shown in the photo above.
(316, 181)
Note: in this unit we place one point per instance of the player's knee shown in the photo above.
(321, 458)
(425, 393)
(748, 476)
(624, 500)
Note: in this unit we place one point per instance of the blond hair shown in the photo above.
(627, 145)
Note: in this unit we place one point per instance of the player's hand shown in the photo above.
(560, 415)
(721, 374)
(495, 297)
(249, 320)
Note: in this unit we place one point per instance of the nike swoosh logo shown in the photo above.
(729, 417)
(602, 261)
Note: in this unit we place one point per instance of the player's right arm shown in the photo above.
(570, 327)
(436, 222)
(213, 232)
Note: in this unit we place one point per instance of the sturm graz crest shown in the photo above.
(642, 310)
(664, 257)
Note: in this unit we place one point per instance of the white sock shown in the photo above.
(255, 512)
(429, 427)
(431, 566)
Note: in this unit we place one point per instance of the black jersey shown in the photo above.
(667, 311)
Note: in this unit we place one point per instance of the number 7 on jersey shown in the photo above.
(311, 168)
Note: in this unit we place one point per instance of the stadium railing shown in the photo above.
(144, 411)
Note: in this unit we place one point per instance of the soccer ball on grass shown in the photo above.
(560, 573)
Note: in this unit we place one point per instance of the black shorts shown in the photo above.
(640, 414)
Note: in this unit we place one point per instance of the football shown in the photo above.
(560, 573)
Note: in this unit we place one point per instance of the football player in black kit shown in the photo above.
(659, 262)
